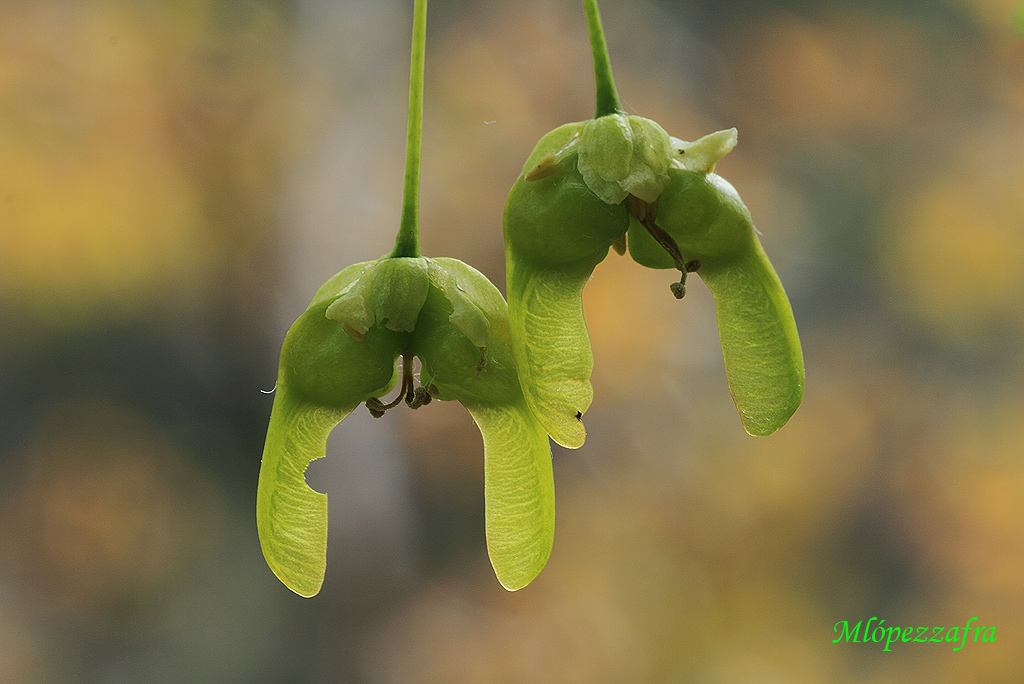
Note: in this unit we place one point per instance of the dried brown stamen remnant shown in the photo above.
(646, 213)
(414, 396)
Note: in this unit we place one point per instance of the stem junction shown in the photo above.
(407, 243)
(607, 97)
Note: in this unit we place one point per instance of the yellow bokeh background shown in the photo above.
(176, 179)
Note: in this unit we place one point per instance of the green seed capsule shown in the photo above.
(705, 216)
(551, 216)
(343, 351)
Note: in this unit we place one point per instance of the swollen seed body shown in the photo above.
(324, 366)
(556, 221)
(705, 216)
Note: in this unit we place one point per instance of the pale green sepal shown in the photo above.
(519, 492)
(606, 147)
(622, 155)
(552, 346)
(389, 292)
(458, 282)
(763, 361)
(652, 152)
(352, 308)
(702, 154)
(399, 291)
(555, 147)
(340, 282)
(290, 516)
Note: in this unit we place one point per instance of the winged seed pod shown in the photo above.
(711, 227)
(582, 188)
(343, 351)
(556, 231)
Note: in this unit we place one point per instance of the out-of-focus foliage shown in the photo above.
(177, 178)
(117, 120)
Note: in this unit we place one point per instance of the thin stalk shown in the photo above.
(407, 244)
(607, 97)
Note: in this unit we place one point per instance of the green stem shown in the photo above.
(607, 97)
(407, 244)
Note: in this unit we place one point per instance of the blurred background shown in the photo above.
(177, 179)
